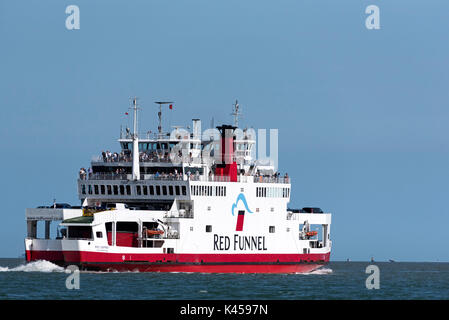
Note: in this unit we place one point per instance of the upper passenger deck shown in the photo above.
(189, 176)
(174, 162)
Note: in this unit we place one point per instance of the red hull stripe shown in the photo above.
(87, 256)
(262, 268)
(205, 263)
(52, 256)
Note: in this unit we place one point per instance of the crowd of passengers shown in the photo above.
(88, 174)
(143, 156)
(275, 177)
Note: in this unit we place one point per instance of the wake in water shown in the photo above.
(321, 271)
(36, 266)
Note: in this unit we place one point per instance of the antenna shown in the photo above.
(236, 113)
(160, 103)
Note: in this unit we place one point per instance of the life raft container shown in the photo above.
(154, 232)
(311, 233)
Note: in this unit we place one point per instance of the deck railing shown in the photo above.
(180, 177)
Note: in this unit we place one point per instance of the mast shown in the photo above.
(160, 103)
(136, 162)
(236, 113)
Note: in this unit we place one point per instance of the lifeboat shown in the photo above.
(154, 232)
(311, 233)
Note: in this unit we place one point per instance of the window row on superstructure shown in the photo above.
(272, 192)
(208, 191)
(138, 190)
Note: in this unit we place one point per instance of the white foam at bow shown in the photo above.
(35, 266)
(322, 271)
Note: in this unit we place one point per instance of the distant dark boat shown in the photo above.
(391, 260)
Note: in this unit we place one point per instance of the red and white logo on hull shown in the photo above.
(240, 220)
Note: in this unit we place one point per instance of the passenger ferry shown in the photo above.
(184, 201)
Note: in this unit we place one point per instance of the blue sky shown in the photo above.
(362, 114)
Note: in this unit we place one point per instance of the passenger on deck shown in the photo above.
(82, 174)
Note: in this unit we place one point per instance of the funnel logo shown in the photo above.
(241, 213)
(241, 243)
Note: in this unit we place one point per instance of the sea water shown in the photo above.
(337, 280)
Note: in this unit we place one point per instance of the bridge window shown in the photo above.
(128, 190)
(170, 190)
(109, 189)
(158, 190)
(115, 190)
(102, 188)
(164, 190)
(178, 190)
(184, 190)
(145, 190)
(96, 189)
(122, 190)
(151, 191)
